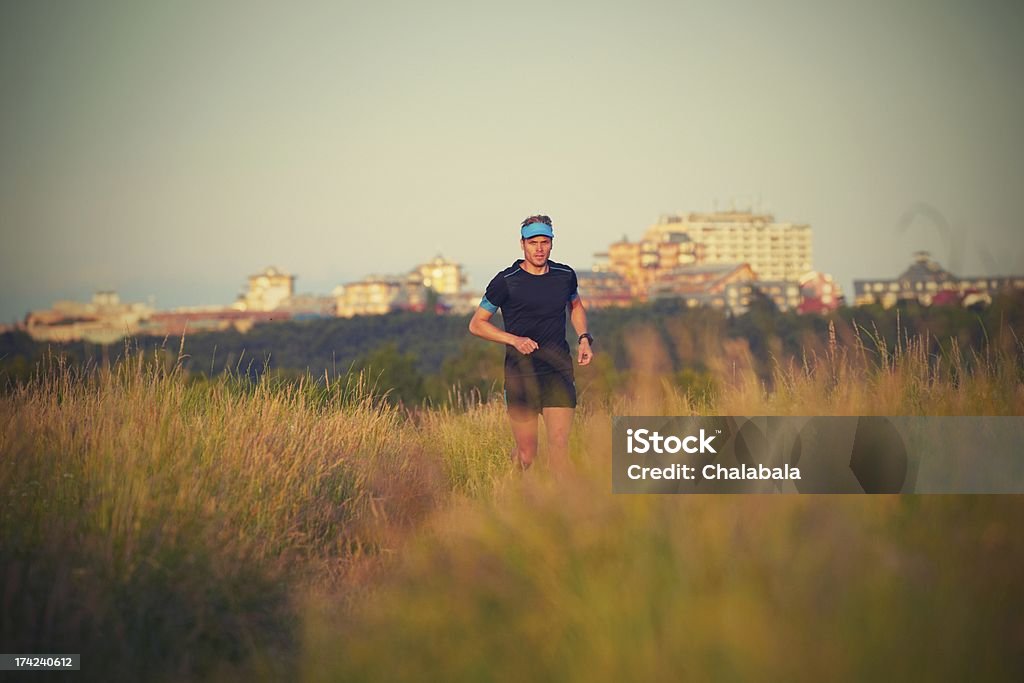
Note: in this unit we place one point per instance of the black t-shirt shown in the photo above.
(534, 306)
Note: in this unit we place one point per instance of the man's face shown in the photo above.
(536, 250)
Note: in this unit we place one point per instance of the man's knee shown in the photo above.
(527, 444)
(558, 424)
(558, 440)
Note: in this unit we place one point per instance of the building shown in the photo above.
(373, 295)
(707, 285)
(819, 293)
(604, 289)
(785, 294)
(103, 320)
(640, 264)
(928, 283)
(195, 319)
(306, 306)
(380, 294)
(775, 251)
(267, 291)
(415, 294)
(441, 275)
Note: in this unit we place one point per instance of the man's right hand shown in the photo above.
(524, 345)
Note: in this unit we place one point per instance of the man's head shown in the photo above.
(536, 237)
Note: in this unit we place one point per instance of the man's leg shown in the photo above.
(524, 431)
(558, 424)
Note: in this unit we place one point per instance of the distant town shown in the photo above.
(721, 260)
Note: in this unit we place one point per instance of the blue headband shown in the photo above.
(537, 230)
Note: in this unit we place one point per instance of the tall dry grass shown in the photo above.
(567, 582)
(158, 525)
(859, 375)
(168, 528)
(559, 580)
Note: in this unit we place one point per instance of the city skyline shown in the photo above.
(629, 263)
(171, 150)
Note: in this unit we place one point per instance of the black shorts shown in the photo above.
(550, 390)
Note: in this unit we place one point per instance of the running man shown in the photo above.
(533, 294)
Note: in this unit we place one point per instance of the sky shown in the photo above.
(171, 149)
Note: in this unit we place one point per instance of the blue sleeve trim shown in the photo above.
(574, 296)
(487, 305)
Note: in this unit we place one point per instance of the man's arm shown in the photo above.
(481, 326)
(578, 316)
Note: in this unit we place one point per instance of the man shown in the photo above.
(533, 294)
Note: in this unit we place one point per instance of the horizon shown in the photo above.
(171, 151)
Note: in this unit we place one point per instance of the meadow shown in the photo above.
(173, 529)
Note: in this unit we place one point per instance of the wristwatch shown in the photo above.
(587, 336)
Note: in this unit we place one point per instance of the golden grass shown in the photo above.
(152, 512)
(569, 583)
(165, 527)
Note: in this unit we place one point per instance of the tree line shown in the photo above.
(422, 356)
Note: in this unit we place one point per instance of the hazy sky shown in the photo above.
(173, 148)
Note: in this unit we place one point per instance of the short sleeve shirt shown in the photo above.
(534, 306)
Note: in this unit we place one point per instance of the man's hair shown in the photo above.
(537, 219)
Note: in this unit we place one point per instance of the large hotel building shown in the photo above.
(698, 256)
(775, 251)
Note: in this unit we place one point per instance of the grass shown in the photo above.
(171, 529)
(562, 583)
(153, 512)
